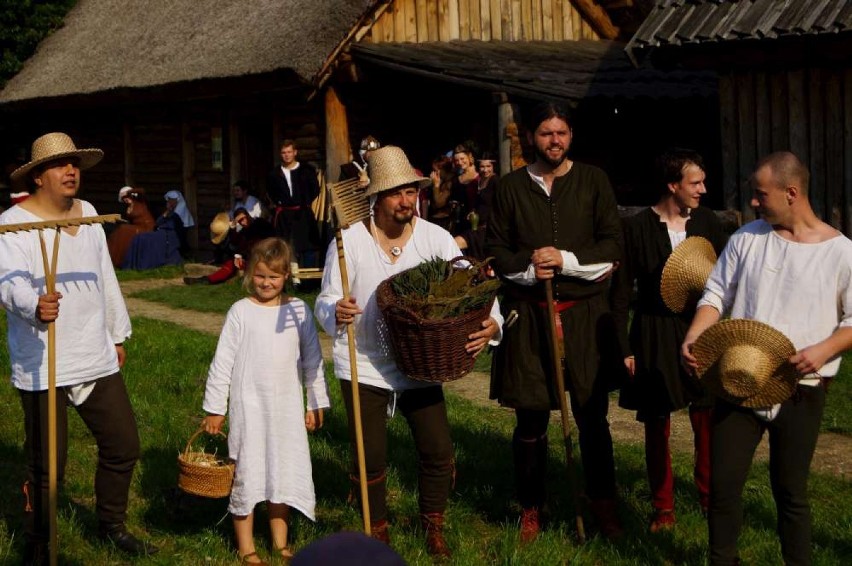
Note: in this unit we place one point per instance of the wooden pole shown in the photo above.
(504, 140)
(52, 457)
(356, 397)
(336, 135)
(556, 355)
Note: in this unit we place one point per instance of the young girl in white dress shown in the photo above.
(268, 349)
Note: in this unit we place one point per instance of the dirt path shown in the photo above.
(833, 453)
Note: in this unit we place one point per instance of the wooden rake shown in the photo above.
(50, 287)
(351, 206)
(558, 356)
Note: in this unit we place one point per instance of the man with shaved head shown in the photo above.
(791, 270)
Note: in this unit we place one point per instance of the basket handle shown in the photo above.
(195, 435)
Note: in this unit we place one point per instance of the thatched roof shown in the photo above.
(573, 70)
(115, 44)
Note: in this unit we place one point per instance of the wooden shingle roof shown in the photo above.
(695, 22)
(571, 70)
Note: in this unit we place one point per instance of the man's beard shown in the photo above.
(542, 155)
(403, 217)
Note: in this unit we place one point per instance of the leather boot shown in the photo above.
(530, 471)
(436, 545)
(379, 531)
(530, 525)
(604, 511)
(117, 534)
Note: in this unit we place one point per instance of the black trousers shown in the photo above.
(109, 416)
(426, 413)
(595, 438)
(792, 439)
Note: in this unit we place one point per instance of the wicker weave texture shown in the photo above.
(429, 350)
(204, 474)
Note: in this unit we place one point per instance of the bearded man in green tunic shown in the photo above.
(556, 220)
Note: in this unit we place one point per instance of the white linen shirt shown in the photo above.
(367, 266)
(802, 290)
(92, 315)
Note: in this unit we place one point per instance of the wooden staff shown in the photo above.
(558, 355)
(350, 207)
(50, 287)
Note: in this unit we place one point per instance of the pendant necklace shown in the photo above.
(395, 251)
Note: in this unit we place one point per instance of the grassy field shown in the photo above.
(165, 374)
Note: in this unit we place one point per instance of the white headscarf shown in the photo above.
(181, 210)
(123, 192)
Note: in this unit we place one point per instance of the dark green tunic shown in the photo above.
(581, 217)
(660, 385)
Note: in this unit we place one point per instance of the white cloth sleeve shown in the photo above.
(332, 291)
(721, 286)
(218, 386)
(572, 268)
(117, 317)
(18, 294)
(311, 367)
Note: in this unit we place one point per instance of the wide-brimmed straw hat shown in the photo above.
(685, 273)
(219, 228)
(55, 146)
(389, 169)
(745, 362)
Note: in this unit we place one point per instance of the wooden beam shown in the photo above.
(235, 160)
(747, 140)
(556, 20)
(505, 117)
(798, 114)
(190, 180)
(728, 127)
(127, 131)
(485, 7)
(515, 19)
(526, 20)
(337, 151)
(816, 126)
(476, 19)
(443, 20)
(399, 21)
(415, 12)
(834, 148)
(780, 138)
(464, 19)
(432, 19)
(454, 20)
(597, 18)
(546, 20)
(763, 114)
(422, 21)
(847, 143)
(537, 27)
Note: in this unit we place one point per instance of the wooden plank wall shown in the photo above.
(806, 111)
(419, 21)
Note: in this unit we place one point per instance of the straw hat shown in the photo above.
(685, 273)
(389, 169)
(219, 228)
(54, 146)
(746, 363)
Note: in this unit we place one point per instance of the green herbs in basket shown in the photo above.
(436, 290)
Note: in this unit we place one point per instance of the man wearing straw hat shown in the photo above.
(555, 225)
(91, 325)
(793, 273)
(669, 284)
(392, 240)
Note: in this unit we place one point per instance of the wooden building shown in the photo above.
(196, 94)
(785, 83)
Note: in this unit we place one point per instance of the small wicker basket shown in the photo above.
(426, 349)
(204, 474)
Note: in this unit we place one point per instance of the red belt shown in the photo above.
(279, 207)
(558, 307)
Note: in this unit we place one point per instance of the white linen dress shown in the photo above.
(264, 356)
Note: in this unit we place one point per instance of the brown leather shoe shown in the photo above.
(379, 531)
(662, 520)
(530, 525)
(436, 545)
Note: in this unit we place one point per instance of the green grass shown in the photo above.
(165, 374)
(165, 272)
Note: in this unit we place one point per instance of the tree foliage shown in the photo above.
(23, 23)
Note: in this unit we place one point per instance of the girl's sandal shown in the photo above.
(285, 552)
(245, 559)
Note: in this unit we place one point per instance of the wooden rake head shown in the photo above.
(58, 224)
(349, 202)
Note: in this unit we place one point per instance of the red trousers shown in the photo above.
(224, 273)
(658, 458)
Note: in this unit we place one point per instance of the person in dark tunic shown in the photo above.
(291, 188)
(659, 384)
(556, 219)
(472, 240)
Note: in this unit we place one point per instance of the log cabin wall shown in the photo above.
(419, 21)
(807, 111)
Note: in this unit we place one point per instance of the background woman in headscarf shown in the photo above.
(139, 220)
